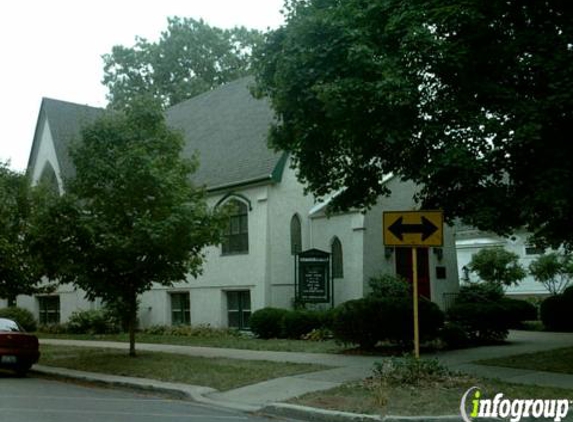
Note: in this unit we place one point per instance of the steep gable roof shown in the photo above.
(66, 121)
(225, 127)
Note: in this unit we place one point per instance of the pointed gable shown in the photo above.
(226, 127)
(65, 121)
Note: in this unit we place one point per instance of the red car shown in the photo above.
(18, 350)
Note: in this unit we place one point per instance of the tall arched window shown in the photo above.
(49, 179)
(337, 260)
(295, 235)
(236, 234)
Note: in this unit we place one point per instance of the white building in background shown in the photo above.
(254, 267)
(469, 241)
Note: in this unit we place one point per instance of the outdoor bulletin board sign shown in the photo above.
(313, 273)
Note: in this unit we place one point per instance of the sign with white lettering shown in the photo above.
(314, 276)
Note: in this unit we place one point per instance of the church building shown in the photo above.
(273, 221)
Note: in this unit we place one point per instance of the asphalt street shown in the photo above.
(34, 399)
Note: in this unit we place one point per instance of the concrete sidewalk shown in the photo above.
(345, 368)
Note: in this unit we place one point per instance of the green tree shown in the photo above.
(497, 266)
(471, 100)
(554, 270)
(20, 269)
(190, 57)
(130, 217)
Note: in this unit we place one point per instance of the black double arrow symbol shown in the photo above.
(426, 228)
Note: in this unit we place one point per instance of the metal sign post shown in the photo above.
(415, 294)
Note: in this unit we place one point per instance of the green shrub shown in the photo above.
(93, 321)
(482, 310)
(484, 322)
(22, 316)
(297, 323)
(480, 292)
(454, 336)
(389, 285)
(519, 311)
(497, 266)
(367, 321)
(409, 371)
(327, 318)
(267, 322)
(568, 294)
(555, 313)
(200, 330)
(53, 328)
(356, 322)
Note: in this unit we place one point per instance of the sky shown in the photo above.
(53, 49)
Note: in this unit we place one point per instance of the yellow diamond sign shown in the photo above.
(413, 228)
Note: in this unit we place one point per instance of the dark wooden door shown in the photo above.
(404, 269)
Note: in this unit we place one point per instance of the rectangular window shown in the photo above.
(49, 307)
(180, 309)
(532, 250)
(239, 309)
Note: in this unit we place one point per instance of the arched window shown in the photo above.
(236, 234)
(337, 261)
(295, 235)
(49, 179)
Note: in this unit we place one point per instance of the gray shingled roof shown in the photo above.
(66, 121)
(226, 127)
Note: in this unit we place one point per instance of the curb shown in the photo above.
(187, 391)
(195, 393)
(313, 414)
(200, 394)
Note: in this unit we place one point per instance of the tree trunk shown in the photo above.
(132, 323)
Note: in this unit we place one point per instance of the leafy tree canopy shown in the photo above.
(497, 266)
(554, 270)
(20, 269)
(130, 217)
(472, 100)
(190, 57)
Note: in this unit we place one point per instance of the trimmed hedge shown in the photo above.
(267, 322)
(486, 315)
(283, 323)
(367, 321)
(93, 321)
(519, 311)
(297, 323)
(484, 322)
(22, 316)
(556, 312)
(454, 336)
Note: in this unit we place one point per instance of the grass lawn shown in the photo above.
(428, 400)
(228, 341)
(219, 373)
(557, 360)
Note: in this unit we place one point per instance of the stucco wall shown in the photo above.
(221, 273)
(349, 229)
(286, 199)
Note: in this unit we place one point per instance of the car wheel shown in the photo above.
(22, 370)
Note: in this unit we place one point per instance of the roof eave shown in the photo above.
(243, 183)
